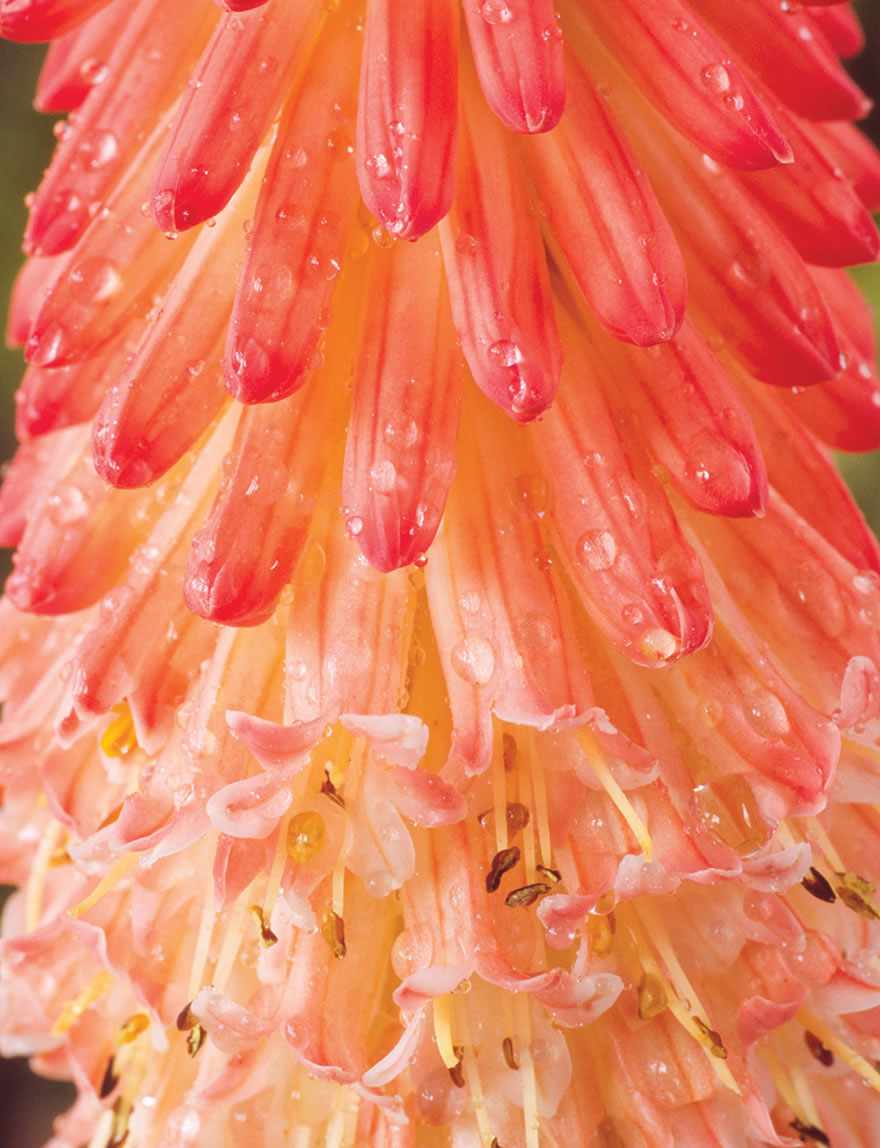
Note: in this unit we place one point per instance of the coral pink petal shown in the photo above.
(401, 739)
(400, 445)
(27, 482)
(247, 550)
(840, 26)
(407, 118)
(820, 212)
(77, 62)
(149, 62)
(299, 235)
(517, 48)
(497, 272)
(745, 278)
(791, 56)
(223, 119)
(32, 283)
(686, 408)
(34, 20)
(165, 399)
(805, 477)
(858, 158)
(614, 527)
(688, 75)
(118, 268)
(343, 643)
(496, 606)
(51, 398)
(76, 547)
(605, 218)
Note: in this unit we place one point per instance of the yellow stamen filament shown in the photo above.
(527, 1069)
(840, 1048)
(468, 1062)
(821, 838)
(37, 881)
(871, 752)
(119, 738)
(443, 1030)
(342, 1125)
(542, 818)
(678, 988)
(499, 794)
(232, 940)
(203, 945)
(785, 1086)
(74, 1009)
(338, 882)
(273, 885)
(120, 869)
(624, 805)
(132, 1028)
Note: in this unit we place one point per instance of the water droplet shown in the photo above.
(658, 645)
(531, 493)
(716, 78)
(474, 660)
(597, 549)
(504, 353)
(384, 476)
(93, 71)
(766, 714)
(66, 505)
(354, 525)
(400, 430)
(466, 245)
(381, 237)
(495, 12)
(377, 166)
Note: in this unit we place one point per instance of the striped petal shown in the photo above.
(407, 113)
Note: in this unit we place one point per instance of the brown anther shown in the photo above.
(456, 1073)
(810, 1131)
(132, 1028)
(518, 817)
(608, 1136)
(526, 895)
(716, 1045)
(652, 996)
(501, 863)
(508, 751)
(267, 937)
(552, 875)
(108, 1081)
(186, 1018)
(330, 790)
(818, 886)
(195, 1039)
(333, 932)
(817, 1048)
(855, 892)
(600, 930)
(509, 1055)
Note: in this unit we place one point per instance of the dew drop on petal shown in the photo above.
(716, 78)
(496, 12)
(504, 353)
(766, 714)
(597, 549)
(474, 660)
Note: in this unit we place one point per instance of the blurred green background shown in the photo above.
(27, 1104)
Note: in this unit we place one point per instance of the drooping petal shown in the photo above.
(299, 235)
(149, 62)
(602, 213)
(31, 20)
(76, 62)
(408, 113)
(498, 281)
(400, 446)
(222, 121)
(792, 57)
(687, 74)
(517, 48)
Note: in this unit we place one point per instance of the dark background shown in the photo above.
(28, 1104)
